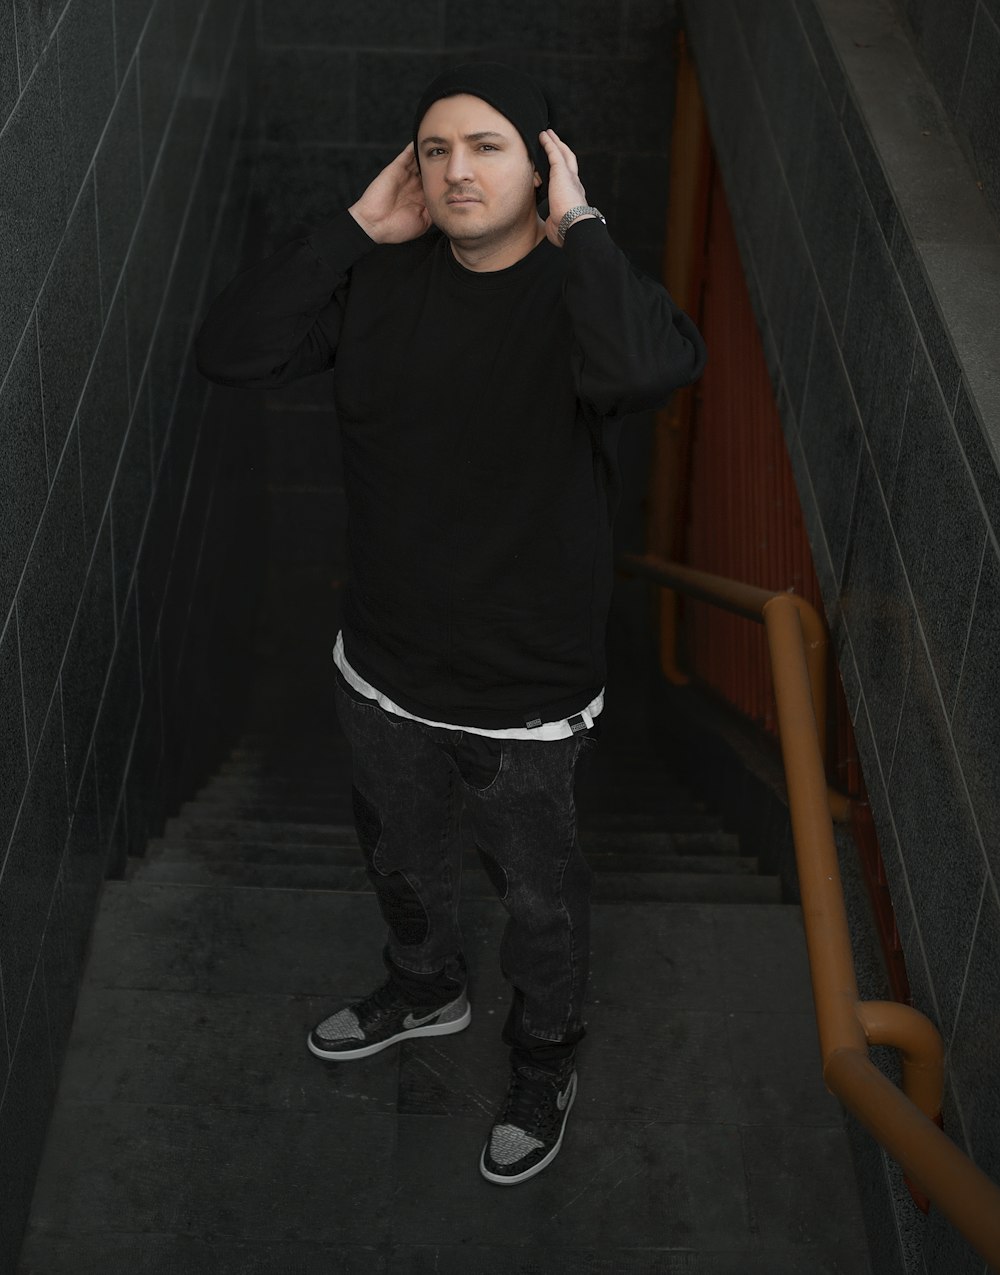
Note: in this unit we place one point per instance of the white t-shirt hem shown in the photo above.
(546, 731)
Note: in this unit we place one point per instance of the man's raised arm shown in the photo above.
(280, 320)
(634, 345)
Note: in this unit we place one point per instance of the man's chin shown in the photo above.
(461, 228)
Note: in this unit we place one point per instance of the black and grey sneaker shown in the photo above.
(364, 1027)
(528, 1131)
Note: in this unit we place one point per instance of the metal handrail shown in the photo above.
(906, 1123)
(749, 601)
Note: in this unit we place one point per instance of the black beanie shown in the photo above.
(515, 95)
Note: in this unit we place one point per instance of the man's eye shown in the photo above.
(487, 146)
(434, 151)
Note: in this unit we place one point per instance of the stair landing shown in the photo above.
(194, 1133)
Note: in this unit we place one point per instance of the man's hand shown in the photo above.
(565, 188)
(392, 209)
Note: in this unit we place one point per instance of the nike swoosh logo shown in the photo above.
(409, 1021)
(563, 1098)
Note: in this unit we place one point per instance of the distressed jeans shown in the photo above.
(411, 784)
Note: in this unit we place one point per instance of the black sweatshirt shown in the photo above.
(478, 413)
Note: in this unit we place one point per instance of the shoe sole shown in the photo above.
(513, 1180)
(365, 1051)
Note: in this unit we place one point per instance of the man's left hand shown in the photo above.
(565, 188)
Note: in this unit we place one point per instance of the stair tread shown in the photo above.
(664, 860)
(609, 778)
(159, 1085)
(610, 884)
(342, 814)
(339, 797)
(221, 854)
(692, 839)
(298, 768)
(280, 812)
(266, 939)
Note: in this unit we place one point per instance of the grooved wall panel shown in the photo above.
(874, 268)
(124, 185)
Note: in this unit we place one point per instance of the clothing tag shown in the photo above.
(534, 721)
(577, 724)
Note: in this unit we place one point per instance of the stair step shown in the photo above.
(608, 886)
(339, 877)
(675, 840)
(598, 777)
(195, 1134)
(265, 942)
(335, 787)
(698, 840)
(338, 809)
(290, 855)
(281, 766)
(275, 832)
(293, 788)
(330, 811)
(685, 887)
(608, 821)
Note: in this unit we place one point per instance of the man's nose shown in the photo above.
(459, 167)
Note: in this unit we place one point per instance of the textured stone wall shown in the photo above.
(875, 272)
(120, 123)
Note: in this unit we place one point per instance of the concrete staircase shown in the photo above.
(193, 1133)
(285, 821)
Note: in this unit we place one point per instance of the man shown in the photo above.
(484, 357)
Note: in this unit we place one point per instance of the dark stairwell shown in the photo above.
(132, 134)
(194, 1133)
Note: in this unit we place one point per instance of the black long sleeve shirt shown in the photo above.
(478, 415)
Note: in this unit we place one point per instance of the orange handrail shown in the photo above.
(905, 1122)
(749, 601)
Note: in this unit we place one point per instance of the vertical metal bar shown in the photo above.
(691, 168)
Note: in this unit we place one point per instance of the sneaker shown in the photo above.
(367, 1026)
(529, 1129)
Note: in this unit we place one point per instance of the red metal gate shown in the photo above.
(723, 496)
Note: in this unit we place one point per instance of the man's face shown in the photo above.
(479, 183)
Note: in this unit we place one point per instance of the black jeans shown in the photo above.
(411, 783)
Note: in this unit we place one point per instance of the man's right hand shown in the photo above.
(392, 209)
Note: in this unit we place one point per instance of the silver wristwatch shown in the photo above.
(574, 214)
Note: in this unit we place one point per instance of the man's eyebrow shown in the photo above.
(469, 137)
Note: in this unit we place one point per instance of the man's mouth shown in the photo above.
(462, 199)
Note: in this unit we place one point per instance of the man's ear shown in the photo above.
(537, 179)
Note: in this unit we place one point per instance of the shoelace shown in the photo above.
(531, 1100)
(382, 1001)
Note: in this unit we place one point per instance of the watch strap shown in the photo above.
(574, 214)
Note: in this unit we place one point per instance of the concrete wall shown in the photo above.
(959, 44)
(874, 267)
(119, 130)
